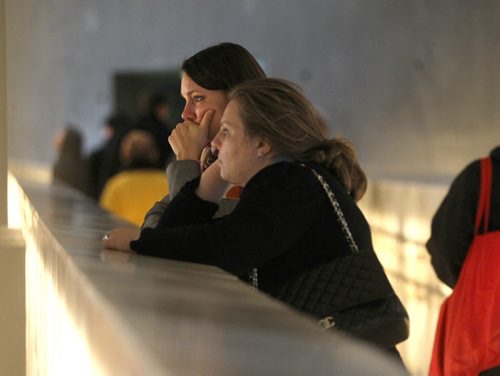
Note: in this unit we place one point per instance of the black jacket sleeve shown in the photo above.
(452, 227)
(247, 232)
(266, 222)
(187, 232)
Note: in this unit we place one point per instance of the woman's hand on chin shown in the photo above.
(119, 238)
(188, 138)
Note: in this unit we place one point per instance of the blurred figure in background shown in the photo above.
(70, 166)
(155, 122)
(130, 193)
(104, 161)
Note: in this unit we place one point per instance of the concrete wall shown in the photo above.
(412, 83)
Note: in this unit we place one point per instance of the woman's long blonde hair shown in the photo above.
(278, 111)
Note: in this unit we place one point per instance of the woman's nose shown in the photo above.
(188, 113)
(215, 144)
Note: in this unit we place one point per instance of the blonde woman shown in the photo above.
(270, 142)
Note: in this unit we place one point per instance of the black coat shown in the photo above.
(453, 224)
(283, 224)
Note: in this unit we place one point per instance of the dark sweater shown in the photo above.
(282, 224)
(453, 224)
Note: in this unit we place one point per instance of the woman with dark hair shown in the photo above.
(287, 220)
(207, 76)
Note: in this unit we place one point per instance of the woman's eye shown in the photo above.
(197, 98)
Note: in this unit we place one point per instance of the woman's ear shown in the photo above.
(263, 147)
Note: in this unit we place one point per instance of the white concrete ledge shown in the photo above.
(95, 312)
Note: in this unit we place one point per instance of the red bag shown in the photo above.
(467, 337)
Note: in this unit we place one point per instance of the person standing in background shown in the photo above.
(131, 192)
(70, 166)
(155, 122)
(104, 161)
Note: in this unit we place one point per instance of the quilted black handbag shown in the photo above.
(350, 293)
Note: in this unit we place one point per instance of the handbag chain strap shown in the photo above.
(328, 322)
(338, 211)
(254, 274)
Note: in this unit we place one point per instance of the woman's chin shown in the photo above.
(224, 177)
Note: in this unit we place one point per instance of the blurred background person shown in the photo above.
(155, 122)
(104, 161)
(131, 192)
(70, 166)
